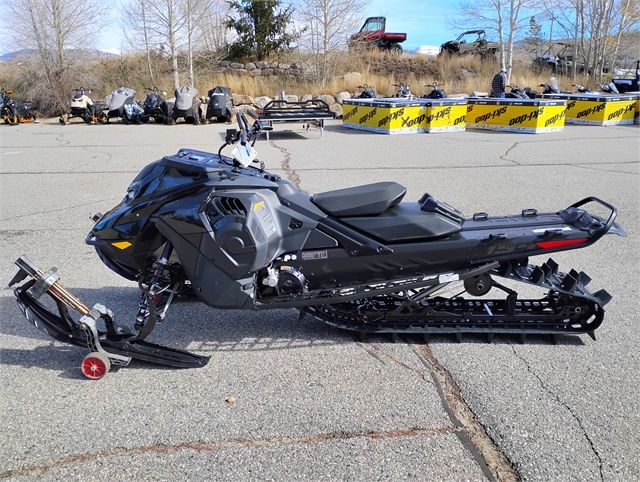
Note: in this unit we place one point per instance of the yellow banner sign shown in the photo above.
(531, 117)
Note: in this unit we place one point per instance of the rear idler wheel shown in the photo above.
(95, 365)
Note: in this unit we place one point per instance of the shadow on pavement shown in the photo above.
(196, 327)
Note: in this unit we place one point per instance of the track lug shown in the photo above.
(362, 336)
(584, 279)
(523, 338)
(394, 337)
(592, 334)
(570, 282)
(301, 315)
(538, 276)
(426, 337)
(554, 339)
(458, 337)
(553, 266)
(603, 297)
(490, 337)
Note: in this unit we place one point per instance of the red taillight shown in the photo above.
(561, 243)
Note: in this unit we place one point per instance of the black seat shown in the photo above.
(368, 200)
(404, 223)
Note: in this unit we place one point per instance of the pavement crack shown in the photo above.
(289, 171)
(198, 446)
(590, 168)
(508, 151)
(555, 396)
(379, 354)
(474, 436)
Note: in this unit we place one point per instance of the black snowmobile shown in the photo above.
(219, 104)
(437, 92)
(403, 91)
(12, 112)
(368, 92)
(155, 106)
(516, 92)
(186, 105)
(84, 107)
(360, 259)
(122, 104)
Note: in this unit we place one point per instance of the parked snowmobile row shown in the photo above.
(234, 236)
(122, 105)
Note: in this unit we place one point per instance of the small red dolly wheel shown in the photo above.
(95, 365)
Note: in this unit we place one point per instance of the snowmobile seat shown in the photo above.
(406, 222)
(367, 200)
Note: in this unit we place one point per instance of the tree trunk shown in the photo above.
(171, 33)
(146, 41)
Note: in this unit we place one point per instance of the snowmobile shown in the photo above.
(437, 92)
(12, 112)
(84, 107)
(155, 106)
(361, 259)
(403, 91)
(186, 105)
(368, 92)
(516, 92)
(123, 105)
(219, 104)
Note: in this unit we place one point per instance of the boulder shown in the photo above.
(274, 65)
(268, 71)
(336, 109)
(225, 63)
(250, 66)
(328, 99)
(241, 71)
(245, 109)
(239, 99)
(261, 65)
(284, 66)
(342, 96)
(353, 78)
(236, 65)
(261, 101)
(306, 97)
(464, 73)
(255, 73)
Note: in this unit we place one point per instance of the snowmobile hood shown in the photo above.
(120, 96)
(185, 96)
(219, 90)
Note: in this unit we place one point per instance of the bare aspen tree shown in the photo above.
(166, 20)
(502, 17)
(327, 24)
(193, 11)
(54, 28)
(211, 25)
(136, 28)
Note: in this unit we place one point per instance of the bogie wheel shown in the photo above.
(95, 365)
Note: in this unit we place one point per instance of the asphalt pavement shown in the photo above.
(283, 398)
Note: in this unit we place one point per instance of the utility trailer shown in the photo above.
(314, 111)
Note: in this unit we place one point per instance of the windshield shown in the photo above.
(373, 25)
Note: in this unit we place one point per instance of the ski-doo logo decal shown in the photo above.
(526, 117)
(369, 115)
(441, 114)
(408, 122)
(620, 112)
(554, 119)
(571, 104)
(460, 120)
(510, 248)
(348, 115)
(392, 116)
(491, 115)
(591, 110)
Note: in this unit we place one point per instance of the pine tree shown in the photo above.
(261, 26)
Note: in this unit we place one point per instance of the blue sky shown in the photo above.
(426, 22)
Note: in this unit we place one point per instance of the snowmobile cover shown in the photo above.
(184, 97)
(120, 96)
(219, 102)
